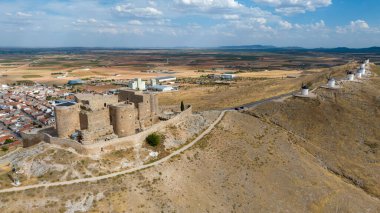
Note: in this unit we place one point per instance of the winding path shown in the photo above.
(155, 163)
(93, 179)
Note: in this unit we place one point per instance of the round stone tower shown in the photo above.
(123, 118)
(67, 119)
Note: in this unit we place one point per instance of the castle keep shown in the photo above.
(97, 117)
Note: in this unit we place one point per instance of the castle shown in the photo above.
(96, 117)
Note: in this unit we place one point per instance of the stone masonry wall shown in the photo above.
(103, 147)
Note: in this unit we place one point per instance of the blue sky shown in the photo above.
(192, 23)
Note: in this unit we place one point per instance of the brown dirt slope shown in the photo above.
(340, 128)
(244, 165)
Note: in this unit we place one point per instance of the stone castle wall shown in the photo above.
(134, 140)
(96, 101)
(104, 147)
(94, 120)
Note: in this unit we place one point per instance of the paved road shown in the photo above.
(257, 103)
(93, 179)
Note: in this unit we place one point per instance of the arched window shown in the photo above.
(105, 104)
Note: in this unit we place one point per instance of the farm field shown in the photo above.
(58, 68)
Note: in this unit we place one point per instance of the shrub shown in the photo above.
(4, 148)
(7, 141)
(153, 139)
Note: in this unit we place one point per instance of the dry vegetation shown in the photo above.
(300, 155)
(243, 91)
(52, 163)
(128, 64)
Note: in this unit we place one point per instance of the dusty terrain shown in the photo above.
(340, 128)
(243, 91)
(299, 155)
(58, 68)
(52, 163)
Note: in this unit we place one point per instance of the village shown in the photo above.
(29, 106)
(24, 108)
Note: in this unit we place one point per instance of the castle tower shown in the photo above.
(153, 104)
(67, 119)
(123, 118)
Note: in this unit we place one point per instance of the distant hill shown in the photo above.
(260, 47)
(274, 48)
(248, 48)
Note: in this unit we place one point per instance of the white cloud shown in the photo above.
(210, 4)
(354, 26)
(135, 22)
(108, 30)
(84, 21)
(285, 25)
(22, 14)
(231, 16)
(289, 7)
(318, 25)
(259, 20)
(138, 11)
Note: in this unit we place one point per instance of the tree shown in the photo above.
(7, 141)
(182, 106)
(153, 139)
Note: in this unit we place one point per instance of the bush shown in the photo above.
(4, 148)
(7, 141)
(153, 139)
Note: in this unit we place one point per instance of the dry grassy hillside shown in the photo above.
(340, 128)
(298, 155)
(206, 97)
(244, 165)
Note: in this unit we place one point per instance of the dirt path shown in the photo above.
(93, 179)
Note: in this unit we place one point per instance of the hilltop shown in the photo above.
(297, 155)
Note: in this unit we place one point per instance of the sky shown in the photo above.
(189, 23)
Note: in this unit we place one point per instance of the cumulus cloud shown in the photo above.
(173, 22)
(210, 4)
(84, 21)
(231, 16)
(285, 25)
(135, 22)
(354, 26)
(289, 7)
(138, 11)
(22, 14)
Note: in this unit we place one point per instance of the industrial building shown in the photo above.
(137, 84)
(166, 79)
(162, 88)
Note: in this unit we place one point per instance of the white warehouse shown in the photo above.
(227, 76)
(166, 79)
